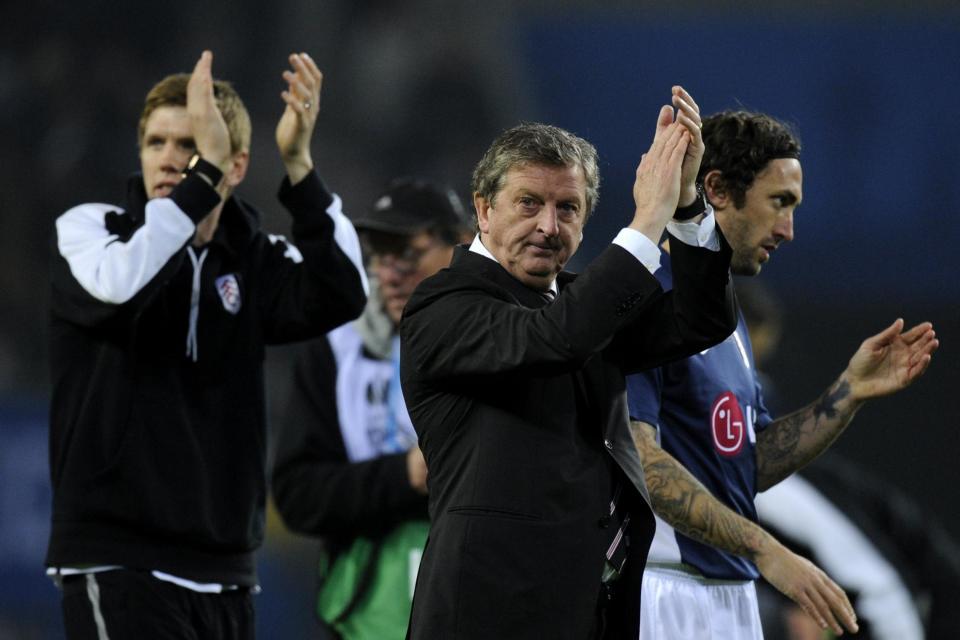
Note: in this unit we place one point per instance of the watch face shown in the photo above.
(210, 174)
(191, 163)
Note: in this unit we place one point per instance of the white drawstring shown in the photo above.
(192, 350)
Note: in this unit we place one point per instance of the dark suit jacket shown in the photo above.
(521, 413)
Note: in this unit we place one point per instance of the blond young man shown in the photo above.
(160, 314)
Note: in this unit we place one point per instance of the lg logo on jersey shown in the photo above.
(730, 425)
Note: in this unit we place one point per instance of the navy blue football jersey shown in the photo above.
(707, 409)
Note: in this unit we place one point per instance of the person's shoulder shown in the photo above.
(91, 220)
(344, 338)
(451, 281)
(94, 210)
(93, 217)
(443, 282)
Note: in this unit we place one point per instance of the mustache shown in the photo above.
(552, 243)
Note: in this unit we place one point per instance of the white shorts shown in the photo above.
(679, 604)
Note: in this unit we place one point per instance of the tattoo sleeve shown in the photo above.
(791, 442)
(684, 503)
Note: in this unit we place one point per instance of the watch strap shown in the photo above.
(695, 208)
(209, 172)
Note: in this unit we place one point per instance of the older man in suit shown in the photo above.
(513, 372)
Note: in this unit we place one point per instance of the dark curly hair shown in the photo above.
(740, 144)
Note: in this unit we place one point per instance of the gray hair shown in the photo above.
(532, 143)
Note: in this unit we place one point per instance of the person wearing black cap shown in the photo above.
(347, 466)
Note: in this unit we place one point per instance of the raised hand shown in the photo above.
(206, 122)
(891, 360)
(657, 185)
(804, 583)
(688, 115)
(295, 128)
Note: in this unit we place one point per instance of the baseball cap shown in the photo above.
(408, 206)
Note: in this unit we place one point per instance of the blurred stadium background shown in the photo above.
(421, 87)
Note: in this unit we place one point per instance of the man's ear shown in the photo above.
(716, 190)
(238, 169)
(483, 206)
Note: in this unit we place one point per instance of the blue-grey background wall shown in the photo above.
(876, 238)
(421, 87)
(871, 102)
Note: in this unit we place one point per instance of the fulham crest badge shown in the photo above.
(229, 290)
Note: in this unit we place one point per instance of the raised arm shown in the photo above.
(656, 189)
(108, 260)
(688, 115)
(209, 129)
(296, 125)
(318, 282)
(684, 503)
(885, 363)
(702, 305)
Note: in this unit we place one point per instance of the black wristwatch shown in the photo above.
(695, 208)
(206, 170)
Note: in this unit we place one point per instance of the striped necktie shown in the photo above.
(619, 542)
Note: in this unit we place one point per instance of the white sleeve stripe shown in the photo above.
(343, 234)
(346, 238)
(112, 271)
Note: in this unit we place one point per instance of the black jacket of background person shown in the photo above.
(521, 413)
(157, 461)
(317, 489)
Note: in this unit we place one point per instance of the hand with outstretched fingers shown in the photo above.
(209, 129)
(296, 125)
(657, 185)
(688, 115)
(891, 360)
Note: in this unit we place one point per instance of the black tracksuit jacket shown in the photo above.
(158, 420)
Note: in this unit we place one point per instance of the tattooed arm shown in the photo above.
(794, 440)
(684, 503)
(884, 363)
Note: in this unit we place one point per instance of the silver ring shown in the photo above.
(307, 104)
